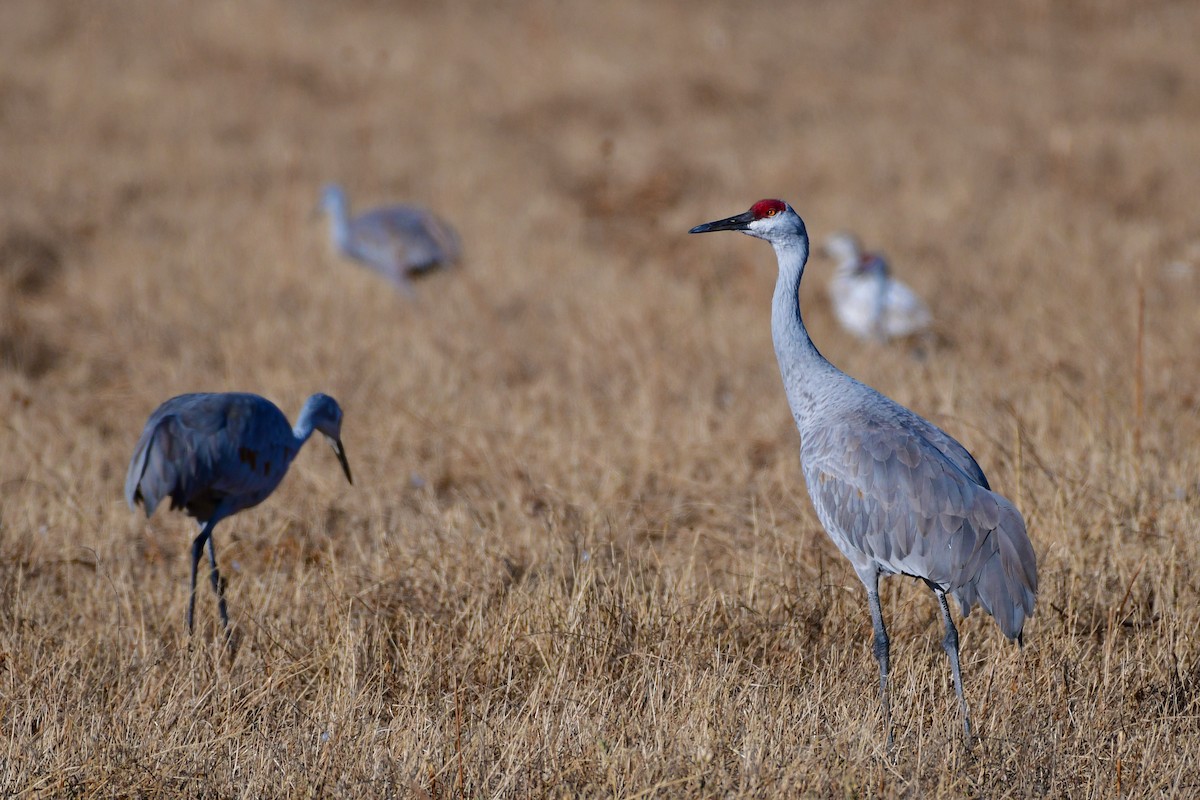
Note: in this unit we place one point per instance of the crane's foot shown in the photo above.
(232, 642)
(969, 740)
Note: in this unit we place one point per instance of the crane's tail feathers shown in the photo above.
(1007, 582)
(143, 471)
(133, 479)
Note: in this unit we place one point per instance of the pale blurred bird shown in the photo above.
(399, 242)
(896, 494)
(214, 455)
(867, 300)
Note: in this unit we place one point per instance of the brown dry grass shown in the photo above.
(610, 582)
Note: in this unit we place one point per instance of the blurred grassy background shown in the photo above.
(579, 557)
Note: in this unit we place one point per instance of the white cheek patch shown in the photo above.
(758, 229)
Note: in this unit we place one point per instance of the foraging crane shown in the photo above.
(896, 494)
(867, 300)
(396, 241)
(216, 454)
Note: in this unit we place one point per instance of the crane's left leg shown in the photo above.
(950, 645)
(218, 585)
(205, 535)
(882, 647)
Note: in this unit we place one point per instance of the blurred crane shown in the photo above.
(216, 454)
(868, 301)
(396, 241)
(896, 494)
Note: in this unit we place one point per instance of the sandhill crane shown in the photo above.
(396, 241)
(896, 494)
(868, 301)
(214, 455)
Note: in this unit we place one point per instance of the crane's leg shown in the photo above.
(950, 645)
(205, 535)
(218, 585)
(404, 283)
(882, 649)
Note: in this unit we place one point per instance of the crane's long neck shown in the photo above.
(339, 222)
(304, 427)
(800, 364)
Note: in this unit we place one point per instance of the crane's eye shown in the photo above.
(772, 212)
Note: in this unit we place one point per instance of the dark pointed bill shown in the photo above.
(341, 454)
(739, 223)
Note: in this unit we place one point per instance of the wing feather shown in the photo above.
(402, 239)
(198, 449)
(890, 495)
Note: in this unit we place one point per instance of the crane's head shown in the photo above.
(871, 265)
(846, 249)
(322, 413)
(773, 220)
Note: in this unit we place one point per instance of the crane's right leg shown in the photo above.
(217, 584)
(400, 279)
(204, 536)
(882, 648)
(950, 645)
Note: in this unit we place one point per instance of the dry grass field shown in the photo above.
(579, 558)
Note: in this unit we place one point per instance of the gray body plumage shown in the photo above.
(213, 455)
(898, 495)
(210, 451)
(396, 241)
(895, 493)
(867, 300)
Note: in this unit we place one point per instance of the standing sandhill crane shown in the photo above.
(895, 493)
(216, 454)
(396, 241)
(868, 301)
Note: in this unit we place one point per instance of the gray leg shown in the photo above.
(205, 535)
(950, 645)
(404, 283)
(882, 653)
(217, 584)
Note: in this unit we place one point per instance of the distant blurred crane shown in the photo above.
(396, 241)
(896, 494)
(868, 301)
(216, 454)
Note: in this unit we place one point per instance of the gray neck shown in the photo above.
(302, 433)
(800, 364)
(304, 426)
(339, 223)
